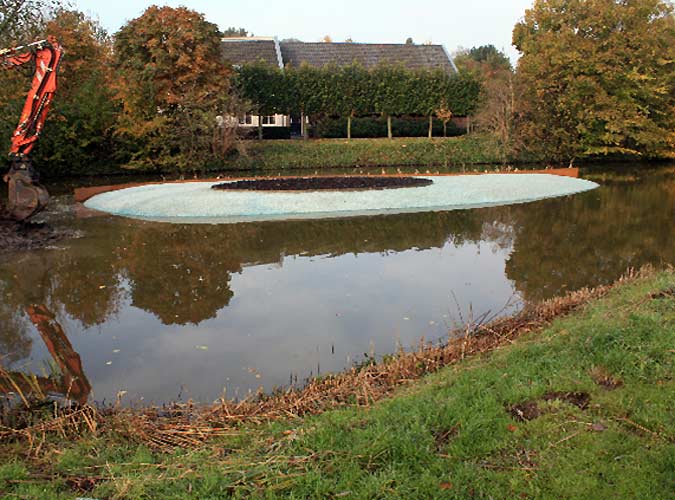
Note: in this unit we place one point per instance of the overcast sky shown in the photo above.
(453, 23)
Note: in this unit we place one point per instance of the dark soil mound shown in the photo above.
(324, 183)
(16, 236)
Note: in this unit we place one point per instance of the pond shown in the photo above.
(169, 312)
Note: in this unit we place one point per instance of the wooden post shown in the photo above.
(431, 126)
(349, 127)
(389, 134)
(260, 131)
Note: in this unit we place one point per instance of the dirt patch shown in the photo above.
(529, 410)
(604, 378)
(23, 236)
(442, 436)
(324, 183)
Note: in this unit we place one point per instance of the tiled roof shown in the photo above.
(240, 51)
(368, 54)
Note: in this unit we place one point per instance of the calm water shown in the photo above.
(168, 312)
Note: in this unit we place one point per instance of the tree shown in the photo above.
(79, 134)
(264, 86)
(174, 84)
(307, 89)
(391, 92)
(21, 20)
(485, 58)
(597, 77)
(445, 115)
(496, 113)
(235, 32)
(352, 91)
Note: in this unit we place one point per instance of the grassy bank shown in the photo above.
(419, 152)
(583, 408)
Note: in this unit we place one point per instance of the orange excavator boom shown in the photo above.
(26, 196)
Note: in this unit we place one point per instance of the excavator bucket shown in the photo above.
(27, 196)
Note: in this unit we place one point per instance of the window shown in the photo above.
(245, 120)
(269, 120)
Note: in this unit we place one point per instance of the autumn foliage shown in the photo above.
(597, 77)
(173, 84)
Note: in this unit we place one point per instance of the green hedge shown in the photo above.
(320, 153)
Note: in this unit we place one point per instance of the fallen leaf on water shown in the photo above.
(115, 351)
(202, 347)
(406, 318)
(108, 363)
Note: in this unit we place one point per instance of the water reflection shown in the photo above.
(155, 307)
(68, 380)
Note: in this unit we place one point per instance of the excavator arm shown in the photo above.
(26, 196)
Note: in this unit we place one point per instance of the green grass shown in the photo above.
(419, 152)
(449, 435)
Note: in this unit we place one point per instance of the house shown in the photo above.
(239, 51)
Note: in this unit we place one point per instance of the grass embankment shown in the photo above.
(321, 153)
(584, 408)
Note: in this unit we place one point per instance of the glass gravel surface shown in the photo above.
(196, 202)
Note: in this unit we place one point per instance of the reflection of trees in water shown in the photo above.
(182, 273)
(592, 238)
(15, 343)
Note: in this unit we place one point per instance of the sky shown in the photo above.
(453, 23)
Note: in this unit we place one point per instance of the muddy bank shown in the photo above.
(19, 237)
(324, 183)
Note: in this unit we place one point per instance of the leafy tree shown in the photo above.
(486, 58)
(597, 77)
(264, 87)
(307, 89)
(174, 85)
(445, 115)
(391, 92)
(235, 32)
(78, 136)
(352, 89)
(21, 20)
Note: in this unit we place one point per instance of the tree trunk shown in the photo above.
(303, 126)
(431, 126)
(445, 129)
(389, 134)
(349, 128)
(260, 132)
